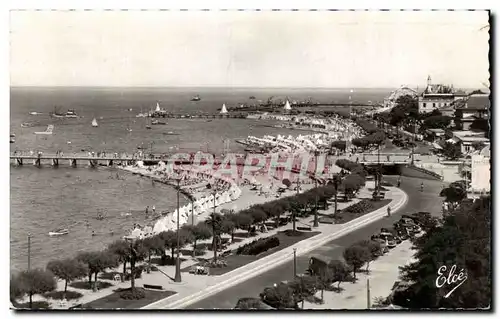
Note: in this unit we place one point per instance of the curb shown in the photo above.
(276, 259)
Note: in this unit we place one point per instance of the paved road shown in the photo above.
(418, 201)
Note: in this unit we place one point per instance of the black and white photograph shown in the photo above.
(250, 159)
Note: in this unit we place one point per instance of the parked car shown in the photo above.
(383, 243)
(389, 239)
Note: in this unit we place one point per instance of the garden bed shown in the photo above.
(114, 301)
(234, 261)
(350, 213)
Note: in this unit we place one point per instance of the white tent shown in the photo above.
(287, 106)
(223, 109)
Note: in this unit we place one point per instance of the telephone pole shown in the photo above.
(178, 260)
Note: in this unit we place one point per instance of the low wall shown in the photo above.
(418, 172)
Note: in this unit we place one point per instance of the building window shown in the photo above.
(434, 105)
(424, 105)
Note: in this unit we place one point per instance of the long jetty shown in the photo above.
(110, 159)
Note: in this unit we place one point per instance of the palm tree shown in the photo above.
(215, 222)
(122, 250)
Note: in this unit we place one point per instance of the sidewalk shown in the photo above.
(384, 272)
(195, 288)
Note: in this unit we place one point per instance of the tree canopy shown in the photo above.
(463, 241)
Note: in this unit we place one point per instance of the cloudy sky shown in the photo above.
(253, 49)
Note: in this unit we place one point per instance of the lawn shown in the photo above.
(235, 261)
(114, 301)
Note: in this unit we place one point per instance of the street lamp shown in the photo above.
(294, 263)
(29, 251)
(315, 224)
(178, 260)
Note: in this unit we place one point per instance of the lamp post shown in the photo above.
(315, 224)
(29, 251)
(178, 260)
(294, 263)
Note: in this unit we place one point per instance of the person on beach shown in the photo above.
(93, 233)
(147, 209)
(399, 181)
(388, 211)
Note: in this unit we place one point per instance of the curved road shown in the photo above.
(428, 200)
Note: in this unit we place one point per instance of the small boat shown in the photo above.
(35, 113)
(12, 135)
(27, 124)
(196, 98)
(170, 133)
(12, 140)
(69, 114)
(148, 127)
(156, 122)
(59, 232)
(94, 123)
(48, 131)
(130, 110)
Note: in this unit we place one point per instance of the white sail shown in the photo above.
(223, 109)
(287, 106)
(157, 107)
(94, 123)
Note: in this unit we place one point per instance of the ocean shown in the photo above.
(47, 198)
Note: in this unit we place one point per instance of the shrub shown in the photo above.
(133, 294)
(360, 207)
(258, 246)
(60, 295)
(35, 305)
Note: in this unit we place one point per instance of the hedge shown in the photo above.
(258, 246)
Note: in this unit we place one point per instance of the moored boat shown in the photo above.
(196, 98)
(59, 232)
(156, 122)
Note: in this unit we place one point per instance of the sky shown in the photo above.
(322, 49)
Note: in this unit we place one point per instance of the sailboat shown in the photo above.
(48, 131)
(148, 125)
(287, 106)
(223, 110)
(94, 123)
(157, 107)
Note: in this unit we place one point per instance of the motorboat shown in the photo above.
(27, 124)
(69, 114)
(156, 122)
(59, 232)
(48, 131)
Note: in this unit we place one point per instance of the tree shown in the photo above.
(35, 281)
(279, 297)
(438, 121)
(215, 223)
(303, 287)
(200, 232)
(153, 245)
(257, 214)
(373, 247)
(341, 145)
(97, 262)
(228, 227)
(463, 241)
(356, 256)
(324, 280)
(452, 151)
(67, 270)
(242, 221)
(454, 193)
(287, 182)
(340, 272)
(122, 250)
